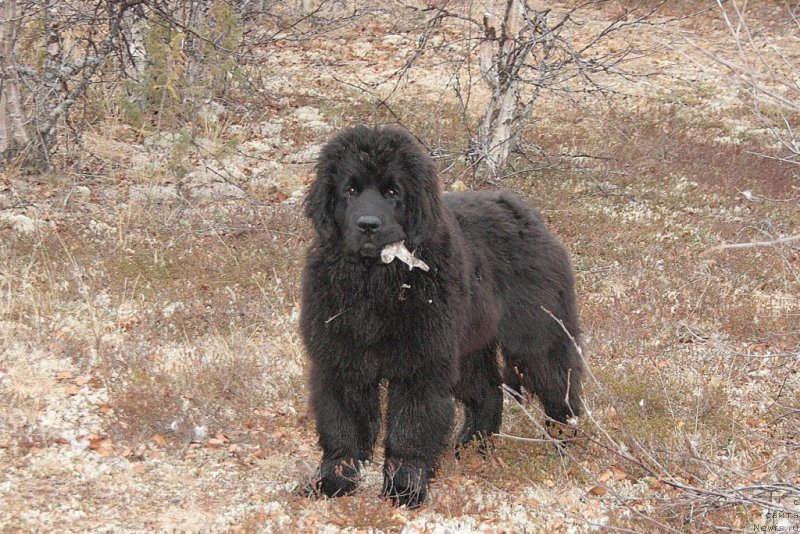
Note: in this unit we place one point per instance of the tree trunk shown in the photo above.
(50, 93)
(137, 23)
(14, 138)
(502, 53)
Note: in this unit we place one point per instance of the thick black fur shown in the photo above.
(431, 335)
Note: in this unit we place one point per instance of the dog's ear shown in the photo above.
(338, 156)
(319, 203)
(424, 200)
(319, 207)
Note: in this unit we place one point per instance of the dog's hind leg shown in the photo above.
(554, 375)
(478, 389)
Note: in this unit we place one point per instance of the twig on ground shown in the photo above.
(753, 244)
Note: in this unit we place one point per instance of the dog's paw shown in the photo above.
(405, 485)
(337, 478)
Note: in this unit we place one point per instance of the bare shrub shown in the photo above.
(763, 70)
(705, 487)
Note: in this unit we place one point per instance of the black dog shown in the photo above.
(431, 334)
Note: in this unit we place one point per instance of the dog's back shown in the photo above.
(531, 275)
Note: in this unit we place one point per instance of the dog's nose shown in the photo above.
(368, 224)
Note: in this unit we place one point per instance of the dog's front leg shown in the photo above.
(419, 421)
(348, 420)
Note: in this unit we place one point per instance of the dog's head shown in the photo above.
(374, 186)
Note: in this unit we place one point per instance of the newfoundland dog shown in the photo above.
(421, 289)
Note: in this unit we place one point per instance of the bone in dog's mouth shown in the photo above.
(398, 250)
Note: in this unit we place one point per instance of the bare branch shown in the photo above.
(754, 244)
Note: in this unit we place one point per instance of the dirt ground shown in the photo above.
(151, 373)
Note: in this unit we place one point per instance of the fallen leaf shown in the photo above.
(598, 491)
(758, 474)
(619, 473)
(753, 421)
(654, 483)
(158, 439)
(103, 448)
(475, 466)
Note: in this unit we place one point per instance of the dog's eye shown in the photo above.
(391, 193)
(351, 191)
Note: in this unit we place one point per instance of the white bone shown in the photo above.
(398, 250)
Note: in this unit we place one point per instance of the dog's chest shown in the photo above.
(390, 310)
